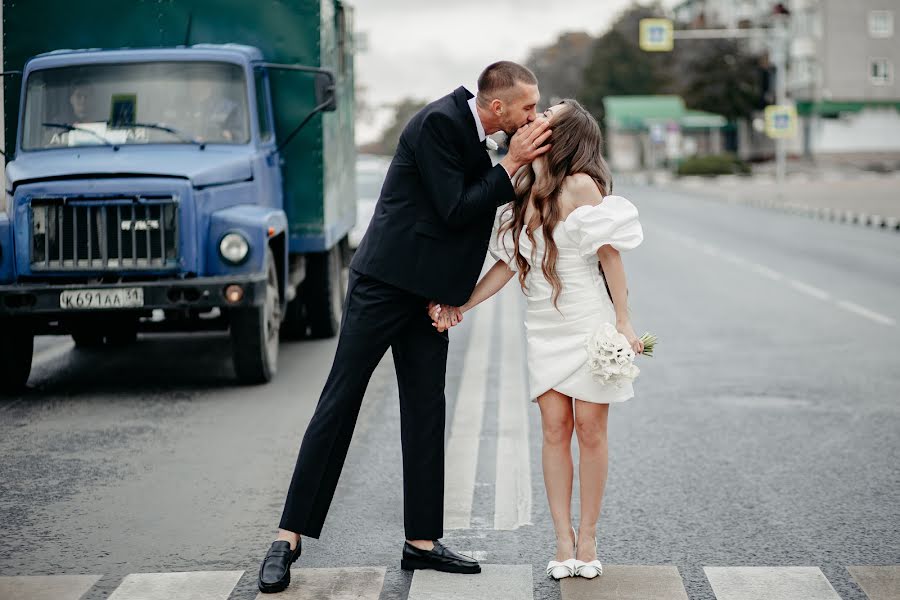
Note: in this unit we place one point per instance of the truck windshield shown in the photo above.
(137, 103)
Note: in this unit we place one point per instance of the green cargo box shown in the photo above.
(318, 166)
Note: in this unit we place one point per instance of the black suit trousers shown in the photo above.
(377, 316)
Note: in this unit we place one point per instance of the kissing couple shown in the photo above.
(546, 215)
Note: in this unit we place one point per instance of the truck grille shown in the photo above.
(104, 233)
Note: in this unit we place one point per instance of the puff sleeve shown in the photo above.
(614, 221)
(502, 247)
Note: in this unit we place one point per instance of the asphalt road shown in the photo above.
(764, 434)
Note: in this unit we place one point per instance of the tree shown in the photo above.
(560, 66)
(404, 110)
(720, 76)
(618, 66)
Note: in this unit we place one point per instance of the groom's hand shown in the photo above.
(444, 317)
(526, 145)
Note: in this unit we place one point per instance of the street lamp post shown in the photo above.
(779, 57)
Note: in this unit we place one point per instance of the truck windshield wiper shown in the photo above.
(180, 135)
(70, 127)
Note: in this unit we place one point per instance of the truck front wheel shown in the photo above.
(254, 332)
(16, 349)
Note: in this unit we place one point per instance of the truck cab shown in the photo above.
(167, 189)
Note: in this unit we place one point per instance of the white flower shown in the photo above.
(491, 144)
(610, 357)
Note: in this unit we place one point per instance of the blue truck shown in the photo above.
(191, 168)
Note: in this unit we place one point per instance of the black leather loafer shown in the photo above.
(275, 570)
(441, 558)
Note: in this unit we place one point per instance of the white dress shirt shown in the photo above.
(478, 126)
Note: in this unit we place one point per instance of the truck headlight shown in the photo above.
(234, 248)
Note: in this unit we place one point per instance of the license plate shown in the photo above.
(87, 299)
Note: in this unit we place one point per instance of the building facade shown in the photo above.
(842, 61)
(843, 58)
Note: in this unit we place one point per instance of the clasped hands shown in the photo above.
(444, 317)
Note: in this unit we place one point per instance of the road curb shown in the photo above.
(824, 213)
(821, 213)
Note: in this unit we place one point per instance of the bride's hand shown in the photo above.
(444, 317)
(625, 328)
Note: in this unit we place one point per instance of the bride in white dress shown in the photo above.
(562, 237)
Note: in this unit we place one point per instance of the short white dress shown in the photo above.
(557, 357)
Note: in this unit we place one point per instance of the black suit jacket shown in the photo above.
(432, 224)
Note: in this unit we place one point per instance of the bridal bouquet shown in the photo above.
(610, 356)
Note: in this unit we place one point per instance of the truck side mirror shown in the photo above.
(326, 95)
(326, 99)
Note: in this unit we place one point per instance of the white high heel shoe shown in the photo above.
(589, 570)
(561, 569)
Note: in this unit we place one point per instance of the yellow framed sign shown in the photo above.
(657, 35)
(781, 121)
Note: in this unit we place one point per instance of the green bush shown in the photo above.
(713, 164)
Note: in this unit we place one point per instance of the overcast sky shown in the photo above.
(426, 48)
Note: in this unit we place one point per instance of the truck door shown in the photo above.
(268, 158)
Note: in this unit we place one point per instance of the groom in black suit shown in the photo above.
(427, 242)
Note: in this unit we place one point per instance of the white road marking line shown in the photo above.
(809, 290)
(495, 582)
(350, 583)
(733, 258)
(709, 249)
(512, 498)
(774, 275)
(766, 271)
(769, 583)
(52, 353)
(627, 582)
(865, 312)
(878, 583)
(46, 587)
(465, 433)
(478, 555)
(196, 585)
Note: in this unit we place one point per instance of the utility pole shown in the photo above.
(657, 35)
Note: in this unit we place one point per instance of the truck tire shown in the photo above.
(254, 332)
(323, 291)
(16, 349)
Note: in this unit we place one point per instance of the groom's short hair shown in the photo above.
(502, 76)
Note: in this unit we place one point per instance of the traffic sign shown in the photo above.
(781, 121)
(657, 35)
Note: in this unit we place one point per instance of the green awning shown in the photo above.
(700, 119)
(638, 113)
(833, 107)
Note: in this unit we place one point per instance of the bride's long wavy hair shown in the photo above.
(576, 148)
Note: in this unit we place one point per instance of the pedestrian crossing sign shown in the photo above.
(656, 35)
(781, 121)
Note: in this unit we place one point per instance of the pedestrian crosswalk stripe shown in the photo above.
(495, 582)
(879, 583)
(770, 583)
(465, 432)
(627, 582)
(356, 583)
(512, 500)
(46, 587)
(195, 585)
